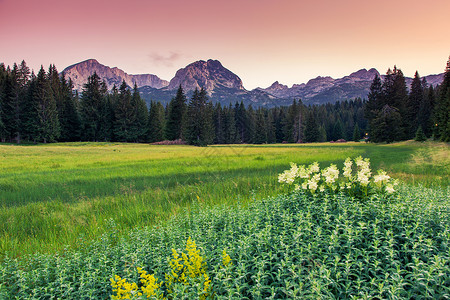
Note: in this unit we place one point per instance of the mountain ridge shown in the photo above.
(224, 86)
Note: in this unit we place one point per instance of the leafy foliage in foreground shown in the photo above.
(294, 246)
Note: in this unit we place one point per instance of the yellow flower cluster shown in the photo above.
(123, 289)
(188, 266)
(185, 268)
(226, 259)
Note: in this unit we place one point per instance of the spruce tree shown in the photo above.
(49, 129)
(199, 120)
(124, 116)
(415, 100)
(420, 136)
(356, 133)
(176, 116)
(219, 124)
(260, 136)
(70, 121)
(141, 113)
(387, 125)
(230, 134)
(92, 98)
(311, 128)
(441, 110)
(156, 122)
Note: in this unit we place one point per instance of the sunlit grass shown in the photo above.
(51, 195)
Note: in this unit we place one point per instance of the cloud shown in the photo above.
(165, 60)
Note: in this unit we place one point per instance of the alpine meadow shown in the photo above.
(325, 176)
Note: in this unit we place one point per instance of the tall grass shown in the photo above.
(53, 195)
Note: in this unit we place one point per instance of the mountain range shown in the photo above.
(225, 87)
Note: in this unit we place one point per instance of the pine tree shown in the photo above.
(230, 134)
(415, 100)
(30, 114)
(141, 113)
(11, 106)
(124, 116)
(49, 129)
(90, 104)
(176, 116)
(441, 111)
(70, 121)
(156, 122)
(260, 136)
(420, 136)
(338, 130)
(199, 120)
(219, 124)
(356, 133)
(311, 128)
(322, 134)
(387, 125)
(3, 76)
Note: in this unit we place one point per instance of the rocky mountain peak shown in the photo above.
(209, 75)
(80, 72)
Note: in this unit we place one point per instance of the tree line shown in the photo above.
(46, 108)
(394, 114)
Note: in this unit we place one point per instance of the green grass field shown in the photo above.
(52, 196)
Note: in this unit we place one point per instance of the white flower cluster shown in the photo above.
(312, 179)
(363, 174)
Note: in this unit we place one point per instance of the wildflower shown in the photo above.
(390, 189)
(348, 168)
(313, 168)
(226, 259)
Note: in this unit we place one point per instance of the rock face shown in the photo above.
(80, 72)
(210, 75)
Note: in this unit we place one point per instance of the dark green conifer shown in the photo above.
(176, 116)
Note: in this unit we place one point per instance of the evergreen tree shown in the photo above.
(386, 125)
(260, 136)
(3, 76)
(70, 121)
(270, 127)
(356, 133)
(338, 131)
(199, 120)
(240, 121)
(125, 116)
(156, 122)
(229, 128)
(49, 129)
(420, 136)
(250, 125)
(374, 99)
(415, 100)
(176, 116)
(312, 133)
(141, 113)
(30, 115)
(11, 106)
(441, 110)
(322, 134)
(91, 104)
(219, 124)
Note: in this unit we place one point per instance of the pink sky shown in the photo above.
(262, 41)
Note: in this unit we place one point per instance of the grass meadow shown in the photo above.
(53, 196)
(75, 216)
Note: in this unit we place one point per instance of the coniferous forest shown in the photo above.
(45, 108)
